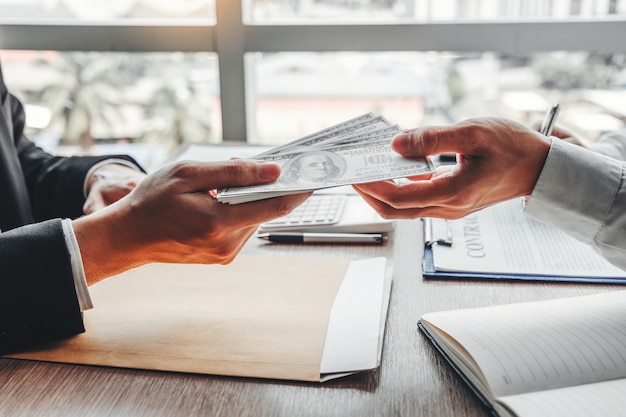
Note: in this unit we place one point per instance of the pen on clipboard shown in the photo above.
(548, 122)
(288, 237)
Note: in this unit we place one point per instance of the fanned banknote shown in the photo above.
(353, 152)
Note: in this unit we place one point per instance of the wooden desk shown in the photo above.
(413, 379)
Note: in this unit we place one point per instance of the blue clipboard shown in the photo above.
(444, 238)
(430, 272)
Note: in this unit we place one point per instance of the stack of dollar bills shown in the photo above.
(352, 152)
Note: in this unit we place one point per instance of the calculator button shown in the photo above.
(320, 209)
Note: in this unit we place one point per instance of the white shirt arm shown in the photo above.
(584, 194)
(80, 281)
(612, 144)
(78, 271)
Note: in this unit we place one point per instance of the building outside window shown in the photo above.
(147, 76)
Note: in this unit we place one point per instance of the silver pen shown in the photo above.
(548, 122)
(288, 237)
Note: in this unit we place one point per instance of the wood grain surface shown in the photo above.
(413, 380)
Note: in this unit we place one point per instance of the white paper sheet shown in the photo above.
(502, 239)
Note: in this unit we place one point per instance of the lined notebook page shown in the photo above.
(535, 346)
(603, 399)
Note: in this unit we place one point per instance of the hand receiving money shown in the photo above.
(356, 151)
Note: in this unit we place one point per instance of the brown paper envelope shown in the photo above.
(261, 316)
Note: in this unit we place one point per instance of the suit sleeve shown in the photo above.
(54, 183)
(38, 300)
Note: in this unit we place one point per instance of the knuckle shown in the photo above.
(476, 133)
(425, 139)
(182, 170)
(283, 209)
(237, 170)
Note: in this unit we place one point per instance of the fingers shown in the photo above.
(420, 177)
(574, 141)
(109, 183)
(387, 211)
(397, 196)
(432, 140)
(435, 189)
(257, 212)
(561, 133)
(93, 203)
(206, 176)
(105, 192)
(476, 137)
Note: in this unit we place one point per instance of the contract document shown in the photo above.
(501, 242)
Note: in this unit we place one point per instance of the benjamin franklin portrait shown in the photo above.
(317, 167)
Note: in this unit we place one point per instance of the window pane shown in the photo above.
(142, 104)
(107, 9)
(299, 93)
(272, 11)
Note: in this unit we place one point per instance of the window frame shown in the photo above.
(231, 40)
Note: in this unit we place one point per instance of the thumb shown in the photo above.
(233, 173)
(432, 140)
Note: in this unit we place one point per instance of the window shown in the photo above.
(117, 10)
(444, 61)
(269, 71)
(299, 93)
(276, 11)
(144, 104)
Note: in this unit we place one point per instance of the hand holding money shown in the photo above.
(356, 151)
(499, 160)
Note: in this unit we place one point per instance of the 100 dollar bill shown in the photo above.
(359, 125)
(318, 169)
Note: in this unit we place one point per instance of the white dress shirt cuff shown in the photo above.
(575, 189)
(80, 281)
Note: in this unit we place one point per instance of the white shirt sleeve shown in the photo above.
(584, 194)
(612, 144)
(80, 281)
(78, 271)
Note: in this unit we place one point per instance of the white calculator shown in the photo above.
(330, 213)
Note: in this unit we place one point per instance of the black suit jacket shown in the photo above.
(38, 300)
